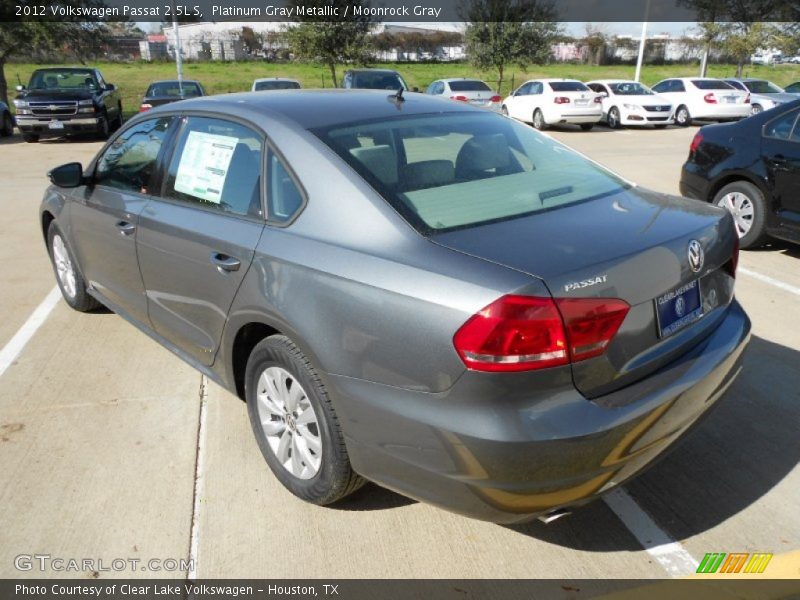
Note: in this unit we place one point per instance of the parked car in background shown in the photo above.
(763, 94)
(482, 319)
(795, 60)
(6, 120)
(703, 98)
(545, 102)
(373, 79)
(752, 169)
(274, 83)
(67, 100)
(472, 91)
(631, 103)
(172, 90)
(793, 88)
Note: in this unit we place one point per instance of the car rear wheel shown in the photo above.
(69, 279)
(613, 118)
(538, 120)
(295, 424)
(7, 128)
(682, 117)
(30, 138)
(746, 203)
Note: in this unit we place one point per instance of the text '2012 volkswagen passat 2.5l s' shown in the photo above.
(410, 291)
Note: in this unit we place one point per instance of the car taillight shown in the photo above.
(598, 99)
(561, 100)
(696, 141)
(731, 265)
(710, 98)
(523, 333)
(459, 98)
(747, 99)
(145, 107)
(496, 99)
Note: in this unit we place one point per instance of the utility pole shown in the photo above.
(642, 40)
(178, 57)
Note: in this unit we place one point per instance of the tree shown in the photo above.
(743, 39)
(595, 41)
(503, 32)
(330, 42)
(31, 37)
(711, 33)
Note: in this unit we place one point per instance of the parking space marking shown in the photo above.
(775, 282)
(16, 344)
(200, 462)
(673, 557)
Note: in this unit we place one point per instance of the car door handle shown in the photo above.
(126, 228)
(225, 262)
(779, 160)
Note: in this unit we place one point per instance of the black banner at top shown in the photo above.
(402, 10)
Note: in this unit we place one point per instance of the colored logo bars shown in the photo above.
(741, 562)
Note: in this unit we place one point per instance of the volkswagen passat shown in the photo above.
(415, 292)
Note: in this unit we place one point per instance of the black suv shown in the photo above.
(752, 169)
(65, 100)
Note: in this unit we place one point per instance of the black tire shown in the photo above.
(587, 126)
(613, 118)
(335, 478)
(80, 300)
(30, 138)
(103, 127)
(7, 128)
(756, 236)
(682, 116)
(118, 120)
(537, 120)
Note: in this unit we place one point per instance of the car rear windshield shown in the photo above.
(276, 85)
(762, 87)
(469, 86)
(711, 84)
(453, 171)
(568, 86)
(172, 88)
(378, 81)
(63, 79)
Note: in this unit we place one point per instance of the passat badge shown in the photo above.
(696, 256)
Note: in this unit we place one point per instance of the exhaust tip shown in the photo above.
(554, 515)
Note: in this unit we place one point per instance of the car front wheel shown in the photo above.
(295, 424)
(69, 279)
(682, 117)
(746, 204)
(613, 118)
(538, 120)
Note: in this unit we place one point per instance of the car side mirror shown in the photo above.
(110, 87)
(69, 175)
(20, 88)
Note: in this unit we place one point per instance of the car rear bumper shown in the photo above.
(721, 111)
(491, 451)
(694, 185)
(41, 126)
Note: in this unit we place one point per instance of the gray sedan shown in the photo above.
(408, 290)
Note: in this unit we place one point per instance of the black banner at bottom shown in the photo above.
(400, 589)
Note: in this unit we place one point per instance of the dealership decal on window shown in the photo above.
(204, 165)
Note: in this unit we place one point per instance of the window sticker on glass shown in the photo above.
(204, 165)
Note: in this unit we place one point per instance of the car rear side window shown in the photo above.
(128, 163)
(217, 165)
(784, 127)
(454, 170)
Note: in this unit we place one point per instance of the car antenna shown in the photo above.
(399, 96)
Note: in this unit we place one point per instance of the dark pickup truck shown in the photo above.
(67, 100)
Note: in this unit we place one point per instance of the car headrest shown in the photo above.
(481, 154)
(429, 173)
(380, 161)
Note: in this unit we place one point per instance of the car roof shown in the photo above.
(449, 79)
(310, 109)
(371, 71)
(66, 68)
(274, 79)
(613, 81)
(173, 81)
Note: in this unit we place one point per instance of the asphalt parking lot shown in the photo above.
(105, 452)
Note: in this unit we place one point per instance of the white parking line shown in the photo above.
(15, 345)
(673, 557)
(200, 461)
(766, 279)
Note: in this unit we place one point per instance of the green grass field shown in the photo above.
(221, 78)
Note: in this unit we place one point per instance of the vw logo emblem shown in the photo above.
(696, 256)
(680, 306)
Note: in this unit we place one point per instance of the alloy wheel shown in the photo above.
(64, 269)
(289, 422)
(741, 207)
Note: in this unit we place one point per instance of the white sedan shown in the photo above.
(545, 102)
(704, 98)
(631, 103)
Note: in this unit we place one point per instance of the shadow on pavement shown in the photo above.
(372, 497)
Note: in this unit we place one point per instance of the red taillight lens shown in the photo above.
(522, 333)
(591, 324)
(561, 100)
(496, 99)
(696, 141)
(731, 265)
(598, 99)
(747, 99)
(515, 333)
(145, 107)
(459, 98)
(710, 98)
